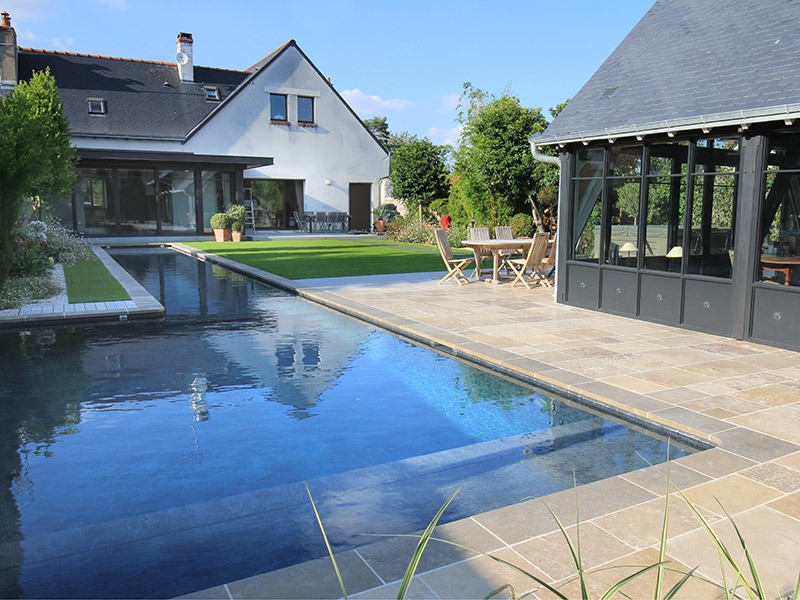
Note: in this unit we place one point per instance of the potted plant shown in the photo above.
(236, 231)
(221, 224)
(236, 212)
(380, 213)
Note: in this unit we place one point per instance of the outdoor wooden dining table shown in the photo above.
(495, 247)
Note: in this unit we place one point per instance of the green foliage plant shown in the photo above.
(64, 246)
(36, 158)
(236, 226)
(220, 221)
(493, 162)
(419, 173)
(522, 225)
(17, 291)
(236, 212)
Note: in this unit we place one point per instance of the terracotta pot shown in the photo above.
(236, 236)
(222, 235)
(380, 225)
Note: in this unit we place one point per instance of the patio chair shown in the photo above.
(548, 270)
(479, 233)
(532, 261)
(503, 232)
(302, 223)
(454, 265)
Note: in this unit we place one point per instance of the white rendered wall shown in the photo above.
(338, 149)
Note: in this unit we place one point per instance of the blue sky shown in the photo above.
(405, 60)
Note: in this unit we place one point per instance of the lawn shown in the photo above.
(310, 258)
(90, 281)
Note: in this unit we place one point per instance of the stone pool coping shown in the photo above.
(740, 397)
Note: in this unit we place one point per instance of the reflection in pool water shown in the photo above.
(156, 460)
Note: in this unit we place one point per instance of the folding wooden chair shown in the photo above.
(532, 261)
(504, 232)
(548, 270)
(454, 265)
(479, 233)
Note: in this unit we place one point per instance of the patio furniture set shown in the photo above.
(310, 222)
(531, 260)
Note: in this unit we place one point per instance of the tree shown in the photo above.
(36, 158)
(495, 171)
(418, 171)
(380, 129)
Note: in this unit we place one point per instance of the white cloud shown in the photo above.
(367, 106)
(26, 38)
(62, 44)
(448, 102)
(445, 136)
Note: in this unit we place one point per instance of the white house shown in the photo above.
(163, 146)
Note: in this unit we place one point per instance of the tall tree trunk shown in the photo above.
(537, 214)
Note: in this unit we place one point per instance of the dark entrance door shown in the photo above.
(360, 196)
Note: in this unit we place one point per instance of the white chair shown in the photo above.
(479, 233)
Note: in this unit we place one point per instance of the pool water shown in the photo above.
(155, 460)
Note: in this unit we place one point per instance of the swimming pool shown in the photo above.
(156, 460)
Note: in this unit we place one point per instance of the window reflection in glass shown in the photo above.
(586, 223)
(664, 228)
(589, 162)
(305, 109)
(176, 192)
(780, 212)
(622, 230)
(217, 194)
(277, 107)
(94, 204)
(713, 200)
(137, 201)
(626, 161)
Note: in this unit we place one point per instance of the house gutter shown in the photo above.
(553, 160)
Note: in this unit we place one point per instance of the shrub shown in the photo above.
(407, 229)
(30, 260)
(522, 225)
(235, 213)
(64, 246)
(220, 221)
(236, 226)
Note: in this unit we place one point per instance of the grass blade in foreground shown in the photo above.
(327, 543)
(423, 542)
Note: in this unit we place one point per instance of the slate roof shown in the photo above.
(689, 63)
(139, 104)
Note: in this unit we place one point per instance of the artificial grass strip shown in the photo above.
(90, 281)
(310, 258)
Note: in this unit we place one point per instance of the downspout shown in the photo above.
(552, 160)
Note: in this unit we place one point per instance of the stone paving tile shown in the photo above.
(792, 461)
(654, 479)
(771, 395)
(767, 533)
(641, 587)
(781, 422)
(690, 418)
(550, 553)
(756, 446)
(775, 475)
(313, 579)
(389, 558)
(477, 577)
(418, 590)
(715, 462)
(641, 526)
(731, 404)
(735, 493)
(788, 505)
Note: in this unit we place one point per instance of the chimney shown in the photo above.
(184, 58)
(8, 54)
